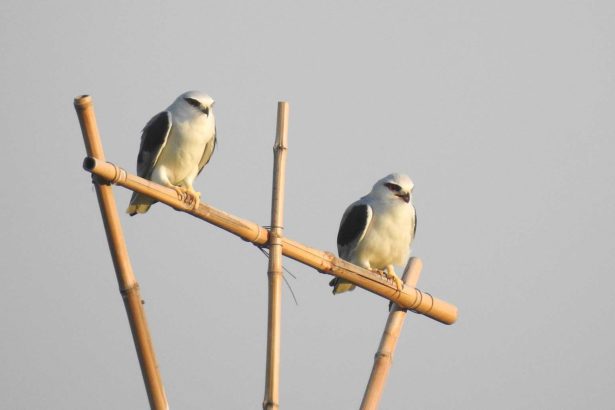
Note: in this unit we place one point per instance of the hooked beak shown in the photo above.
(404, 196)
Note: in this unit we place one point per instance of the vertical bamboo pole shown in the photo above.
(274, 271)
(388, 342)
(129, 288)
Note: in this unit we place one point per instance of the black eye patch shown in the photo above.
(393, 187)
(193, 102)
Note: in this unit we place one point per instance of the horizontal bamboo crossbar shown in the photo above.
(325, 262)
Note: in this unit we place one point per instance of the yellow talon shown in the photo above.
(181, 192)
(390, 274)
(195, 198)
(188, 196)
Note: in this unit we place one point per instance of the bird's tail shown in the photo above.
(139, 204)
(340, 286)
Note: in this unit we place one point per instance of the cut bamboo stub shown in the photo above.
(274, 271)
(384, 356)
(409, 298)
(129, 288)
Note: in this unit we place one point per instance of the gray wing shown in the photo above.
(354, 225)
(208, 152)
(154, 138)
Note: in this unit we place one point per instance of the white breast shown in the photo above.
(387, 241)
(185, 146)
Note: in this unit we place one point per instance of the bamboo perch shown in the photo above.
(274, 272)
(129, 288)
(384, 356)
(409, 298)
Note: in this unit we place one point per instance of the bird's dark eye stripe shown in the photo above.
(193, 102)
(393, 187)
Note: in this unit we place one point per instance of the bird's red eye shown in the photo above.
(393, 187)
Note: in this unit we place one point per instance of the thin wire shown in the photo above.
(283, 277)
(266, 252)
(318, 254)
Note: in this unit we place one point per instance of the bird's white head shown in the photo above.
(394, 186)
(194, 102)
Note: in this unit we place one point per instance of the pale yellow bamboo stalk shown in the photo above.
(129, 288)
(384, 356)
(274, 271)
(325, 262)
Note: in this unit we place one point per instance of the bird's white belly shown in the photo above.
(387, 241)
(179, 160)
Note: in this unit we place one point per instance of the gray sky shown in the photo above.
(501, 112)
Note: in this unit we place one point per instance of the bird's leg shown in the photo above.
(390, 274)
(193, 197)
(181, 191)
(187, 195)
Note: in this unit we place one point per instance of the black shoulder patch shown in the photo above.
(155, 132)
(353, 225)
(153, 139)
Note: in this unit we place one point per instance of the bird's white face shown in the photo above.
(196, 102)
(395, 187)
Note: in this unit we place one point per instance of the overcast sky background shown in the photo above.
(501, 112)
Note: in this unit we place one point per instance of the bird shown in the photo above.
(175, 146)
(377, 230)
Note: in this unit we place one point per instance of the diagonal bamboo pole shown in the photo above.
(274, 272)
(129, 288)
(384, 356)
(325, 262)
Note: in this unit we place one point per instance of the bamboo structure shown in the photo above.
(274, 271)
(408, 298)
(384, 356)
(129, 288)
(325, 262)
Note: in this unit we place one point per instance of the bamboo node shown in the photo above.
(130, 289)
(383, 355)
(269, 405)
